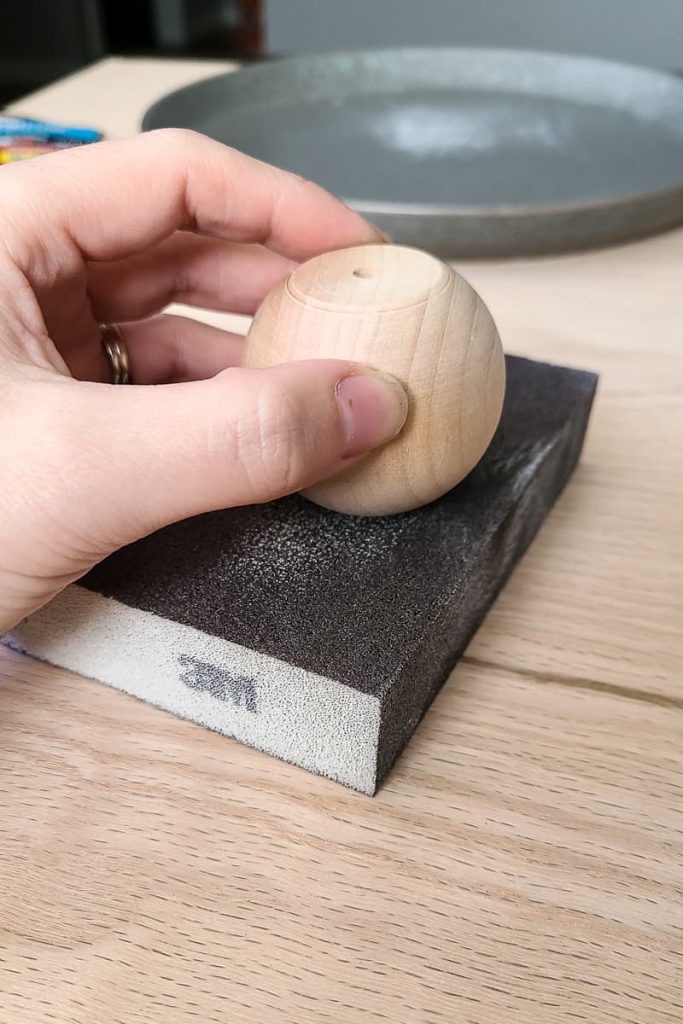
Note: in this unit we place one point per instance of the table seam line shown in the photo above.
(577, 682)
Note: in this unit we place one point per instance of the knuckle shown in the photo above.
(276, 446)
(188, 145)
(176, 138)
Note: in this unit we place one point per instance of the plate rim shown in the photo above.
(490, 212)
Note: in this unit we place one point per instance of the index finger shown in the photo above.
(113, 199)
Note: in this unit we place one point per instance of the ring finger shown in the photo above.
(169, 350)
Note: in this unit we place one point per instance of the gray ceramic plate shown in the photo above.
(465, 152)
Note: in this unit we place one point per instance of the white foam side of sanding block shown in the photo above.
(307, 719)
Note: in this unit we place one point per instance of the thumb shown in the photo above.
(245, 436)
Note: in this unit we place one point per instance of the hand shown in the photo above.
(113, 233)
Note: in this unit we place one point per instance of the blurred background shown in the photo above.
(41, 40)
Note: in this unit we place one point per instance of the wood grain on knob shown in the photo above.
(404, 312)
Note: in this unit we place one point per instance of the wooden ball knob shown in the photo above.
(404, 312)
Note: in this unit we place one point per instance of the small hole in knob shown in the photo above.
(362, 272)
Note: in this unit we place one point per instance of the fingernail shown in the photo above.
(373, 408)
(377, 235)
(383, 235)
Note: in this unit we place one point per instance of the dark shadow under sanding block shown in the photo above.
(317, 637)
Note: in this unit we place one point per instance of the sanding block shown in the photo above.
(316, 636)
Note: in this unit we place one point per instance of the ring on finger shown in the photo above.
(116, 353)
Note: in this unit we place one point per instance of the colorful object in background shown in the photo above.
(22, 138)
(23, 149)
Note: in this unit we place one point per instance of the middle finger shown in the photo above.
(187, 268)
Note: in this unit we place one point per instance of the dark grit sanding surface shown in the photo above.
(317, 637)
(369, 602)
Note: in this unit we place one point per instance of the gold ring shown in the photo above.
(116, 354)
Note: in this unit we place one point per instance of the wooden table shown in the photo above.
(524, 863)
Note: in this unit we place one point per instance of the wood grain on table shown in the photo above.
(524, 862)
